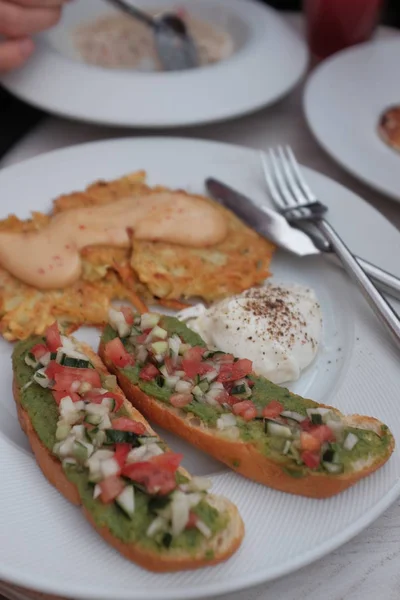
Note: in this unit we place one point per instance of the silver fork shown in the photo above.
(297, 203)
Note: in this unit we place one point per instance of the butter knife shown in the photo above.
(272, 225)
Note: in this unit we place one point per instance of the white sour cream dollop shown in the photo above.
(278, 327)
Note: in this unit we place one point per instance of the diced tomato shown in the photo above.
(95, 397)
(309, 442)
(193, 518)
(121, 452)
(272, 410)
(243, 367)
(223, 397)
(58, 396)
(179, 400)
(128, 314)
(194, 353)
(111, 487)
(66, 376)
(39, 350)
(116, 352)
(232, 400)
(149, 372)
(169, 461)
(143, 337)
(223, 358)
(52, 368)
(306, 425)
(240, 407)
(234, 371)
(53, 338)
(323, 433)
(249, 414)
(125, 424)
(310, 459)
(156, 480)
(169, 365)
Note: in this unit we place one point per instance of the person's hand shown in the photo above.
(19, 19)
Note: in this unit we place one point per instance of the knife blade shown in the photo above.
(274, 226)
(264, 220)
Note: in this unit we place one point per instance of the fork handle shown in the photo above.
(379, 305)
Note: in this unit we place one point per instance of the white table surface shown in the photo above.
(368, 566)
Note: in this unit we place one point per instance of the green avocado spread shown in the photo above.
(369, 446)
(43, 413)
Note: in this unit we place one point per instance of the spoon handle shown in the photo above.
(133, 12)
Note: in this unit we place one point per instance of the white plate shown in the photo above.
(343, 101)
(269, 60)
(50, 547)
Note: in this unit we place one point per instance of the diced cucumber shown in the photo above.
(149, 439)
(141, 355)
(159, 524)
(110, 382)
(184, 348)
(197, 392)
(204, 385)
(276, 429)
(105, 423)
(96, 409)
(109, 402)
(41, 378)
(93, 419)
(238, 389)
(31, 361)
(149, 320)
(81, 451)
(159, 332)
(76, 363)
(126, 501)
(117, 321)
(113, 436)
(159, 348)
(291, 414)
(62, 431)
(316, 419)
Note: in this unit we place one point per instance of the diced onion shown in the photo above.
(350, 441)
(203, 528)
(159, 524)
(291, 414)
(180, 512)
(226, 420)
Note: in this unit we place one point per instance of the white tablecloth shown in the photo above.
(368, 566)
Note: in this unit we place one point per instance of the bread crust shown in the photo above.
(222, 545)
(243, 457)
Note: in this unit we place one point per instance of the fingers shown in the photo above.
(17, 21)
(13, 53)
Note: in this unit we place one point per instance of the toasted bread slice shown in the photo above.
(246, 456)
(210, 551)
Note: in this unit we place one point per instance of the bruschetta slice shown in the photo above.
(217, 403)
(100, 453)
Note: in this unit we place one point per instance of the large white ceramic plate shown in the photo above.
(343, 101)
(48, 545)
(270, 58)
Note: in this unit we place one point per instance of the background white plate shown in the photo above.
(343, 101)
(269, 60)
(50, 547)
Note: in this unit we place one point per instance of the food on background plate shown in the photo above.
(278, 327)
(122, 42)
(389, 127)
(100, 453)
(215, 402)
(142, 272)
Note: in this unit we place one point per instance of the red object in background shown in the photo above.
(336, 24)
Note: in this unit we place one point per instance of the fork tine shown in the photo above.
(273, 190)
(291, 182)
(281, 184)
(300, 179)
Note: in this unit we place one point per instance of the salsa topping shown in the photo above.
(120, 455)
(196, 375)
